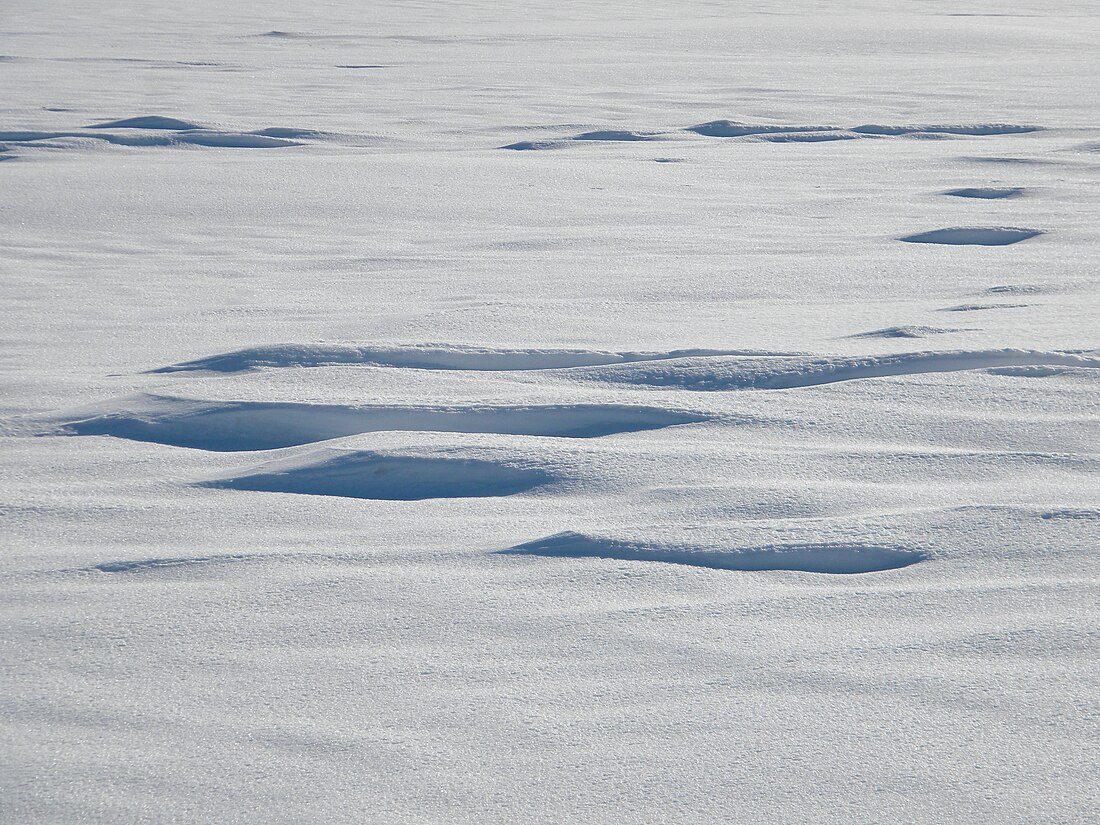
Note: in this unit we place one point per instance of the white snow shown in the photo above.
(733, 460)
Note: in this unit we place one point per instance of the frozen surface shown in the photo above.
(525, 412)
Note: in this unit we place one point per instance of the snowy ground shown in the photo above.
(598, 412)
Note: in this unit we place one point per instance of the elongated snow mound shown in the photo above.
(910, 331)
(248, 425)
(970, 129)
(974, 235)
(832, 558)
(733, 128)
(390, 477)
(147, 122)
(425, 357)
(230, 140)
(616, 135)
(784, 373)
(986, 192)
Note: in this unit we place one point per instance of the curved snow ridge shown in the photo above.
(834, 558)
(782, 133)
(981, 307)
(1027, 372)
(912, 331)
(968, 129)
(233, 140)
(392, 476)
(617, 135)
(598, 135)
(147, 122)
(806, 137)
(733, 128)
(141, 565)
(986, 192)
(226, 426)
(712, 374)
(974, 235)
(427, 357)
(1073, 514)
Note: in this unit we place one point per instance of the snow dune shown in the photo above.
(783, 373)
(972, 130)
(426, 356)
(732, 128)
(906, 331)
(987, 192)
(390, 477)
(807, 558)
(781, 133)
(249, 425)
(147, 122)
(974, 235)
(233, 140)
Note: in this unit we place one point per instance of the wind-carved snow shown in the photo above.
(161, 137)
(784, 373)
(732, 128)
(907, 331)
(251, 425)
(426, 357)
(391, 476)
(986, 192)
(982, 307)
(818, 588)
(780, 133)
(974, 236)
(835, 558)
(147, 122)
(158, 130)
(965, 129)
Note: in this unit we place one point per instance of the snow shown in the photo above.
(732, 460)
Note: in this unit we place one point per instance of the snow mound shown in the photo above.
(975, 129)
(140, 565)
(1024, 289)
(147, 122)
(986, 192)
(781, 373)
(616, 135)
(982, 307)
(389, 477)
(536, 145)
(247, 425)
(1027, 372)
(287, 132)
(806, 137)
(806, 558)
(906, 332)
(732, 128)
(424, 356)
(974, 235)
(232, 140)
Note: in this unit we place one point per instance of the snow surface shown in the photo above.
(528, 412)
